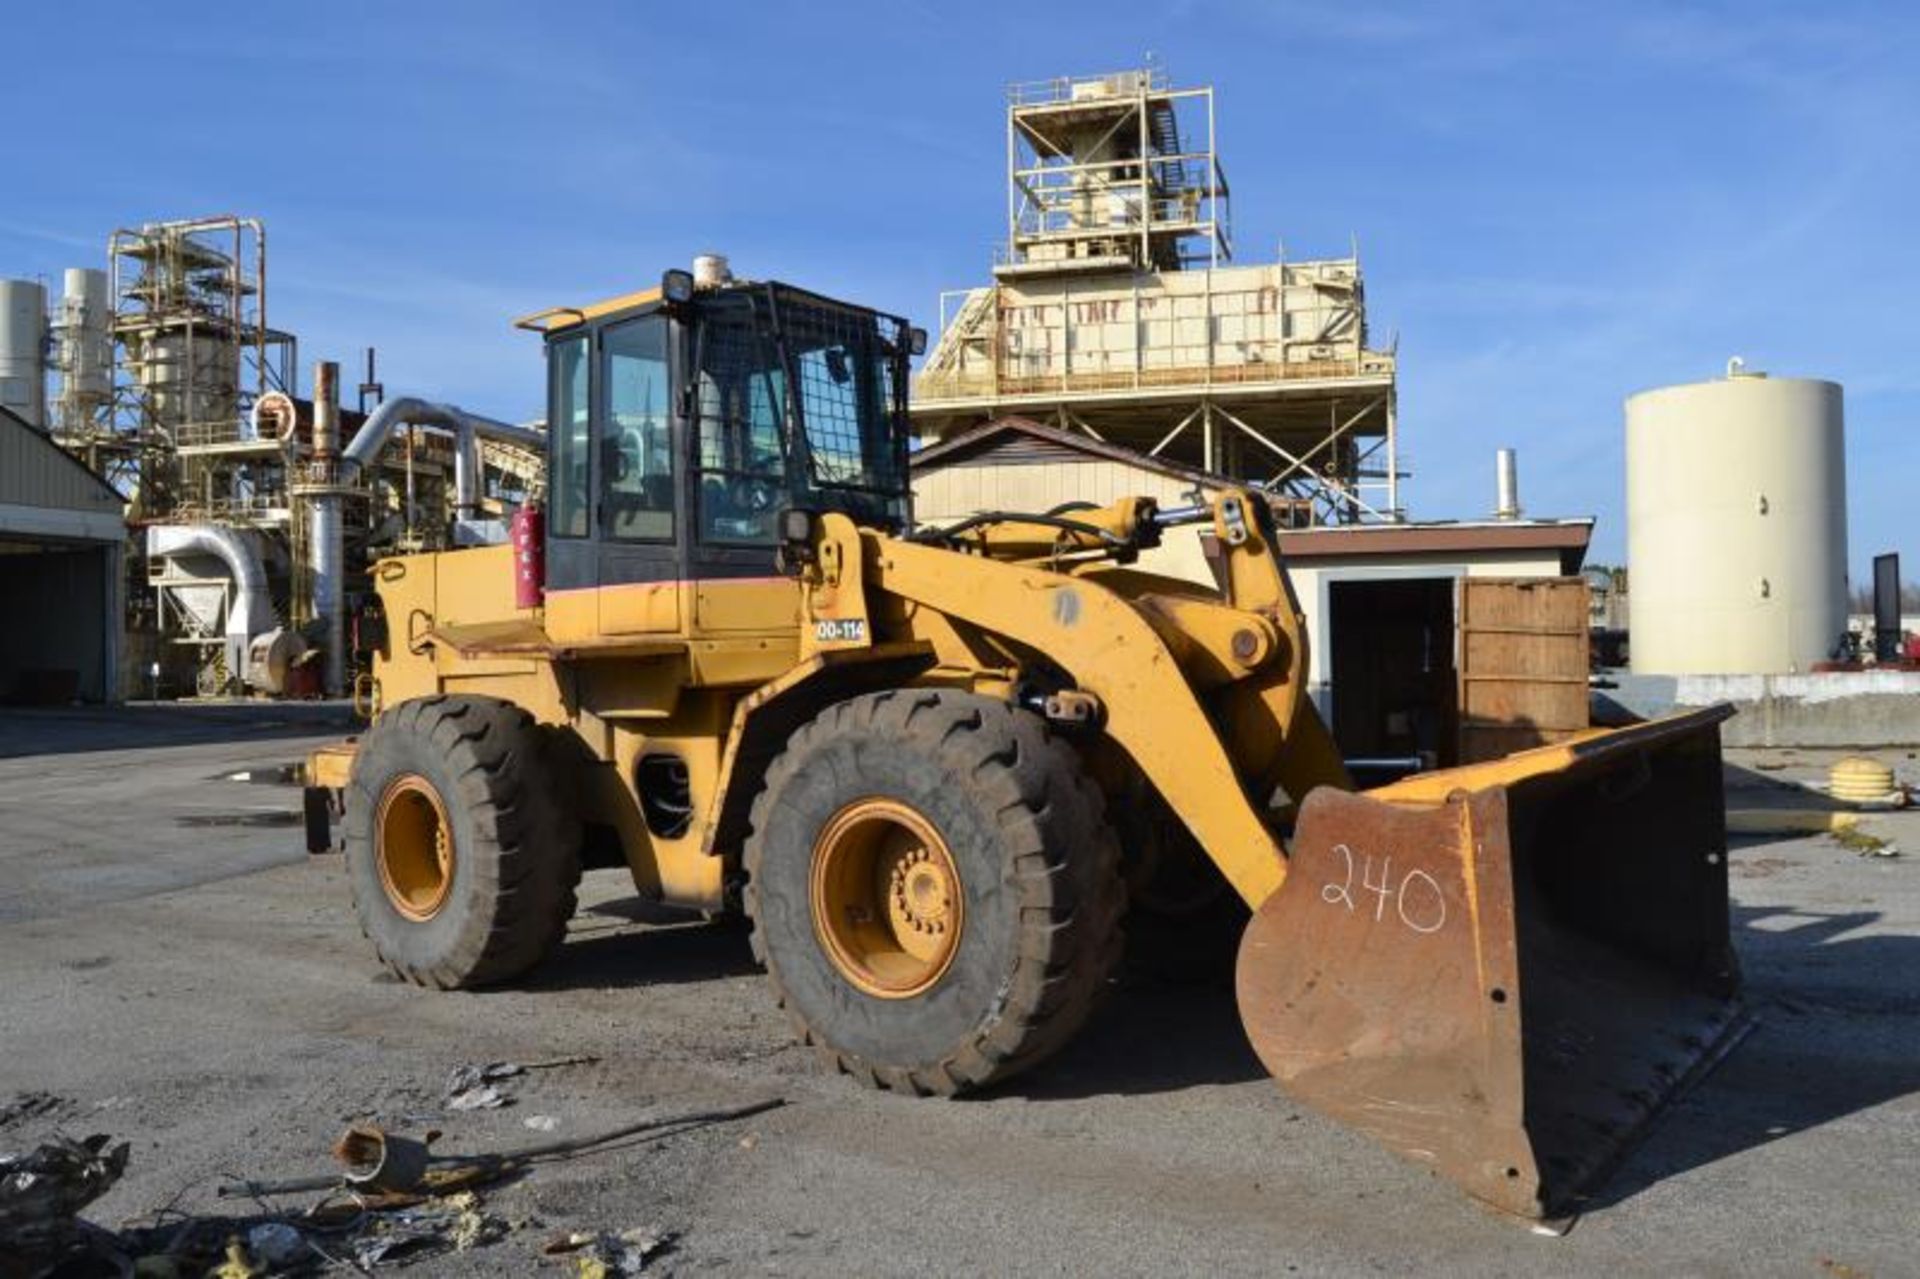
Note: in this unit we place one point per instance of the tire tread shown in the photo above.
(1064, 862)
(526, 853)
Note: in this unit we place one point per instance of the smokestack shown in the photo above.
(326, 411)
(326, 541)
(1507, 485)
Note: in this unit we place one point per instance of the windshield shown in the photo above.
(846, 363)
(815, 420)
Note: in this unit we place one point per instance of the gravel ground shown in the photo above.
(182, 976)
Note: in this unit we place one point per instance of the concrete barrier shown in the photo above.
(1841, 708)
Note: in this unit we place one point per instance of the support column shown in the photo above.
(1394, 512)
(327, 542)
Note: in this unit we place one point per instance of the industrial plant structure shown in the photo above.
(1116, 312)
(1120, 348)
(250, 508)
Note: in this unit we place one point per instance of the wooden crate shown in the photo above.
(1522, 646)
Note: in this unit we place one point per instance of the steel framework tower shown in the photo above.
(1116, 311)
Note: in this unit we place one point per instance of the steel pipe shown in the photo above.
(325, 556)
(329, 545)
(468, 429)
(1506, 485)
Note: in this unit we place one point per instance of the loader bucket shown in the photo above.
(1503, 971)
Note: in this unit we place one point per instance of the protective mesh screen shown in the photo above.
(849, 400)
(742, 402)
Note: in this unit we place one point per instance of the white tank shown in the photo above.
(23, 350)
(1736, 525)
(190, 380)
(86, 349)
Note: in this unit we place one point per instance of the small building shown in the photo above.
(1385, 603)
(1410, 655)
(62, 536)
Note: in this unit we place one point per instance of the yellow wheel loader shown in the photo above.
(905, 753)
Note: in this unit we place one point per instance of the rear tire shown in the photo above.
(462, 857)
(981, 844)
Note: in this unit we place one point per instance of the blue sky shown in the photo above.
(1557, 204)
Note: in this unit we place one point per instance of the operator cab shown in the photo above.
(683, 421)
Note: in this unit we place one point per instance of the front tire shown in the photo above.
(933, 888)
(463, 860)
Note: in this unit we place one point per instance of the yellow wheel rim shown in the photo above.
(887, 902)
(414, 847)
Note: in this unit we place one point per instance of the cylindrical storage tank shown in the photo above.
(1736, 526)
(190, 379)
(87, 348)
(23, 350)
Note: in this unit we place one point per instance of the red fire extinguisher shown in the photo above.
(528, 534)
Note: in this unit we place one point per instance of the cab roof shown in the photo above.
(556, 318)
(560, 319)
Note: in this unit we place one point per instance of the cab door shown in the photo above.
(613, 531)
(739, 482)
(637, 526)
(573, 552)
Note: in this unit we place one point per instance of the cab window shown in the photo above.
(742, 404)
(839, 424)
(568, 414)
(636, 442)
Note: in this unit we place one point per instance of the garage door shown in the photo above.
(54, 632)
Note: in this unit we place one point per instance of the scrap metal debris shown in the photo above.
(1864, 843)
(42, 1193)
(235, 1265)
(343, 1228)
(379, 1160)
(477, 1086)
(276, 1245)
(366, 1148)
(485, 1097)
(28, 1105)
(602, 1254)
(393, 1200)
(456, 1221)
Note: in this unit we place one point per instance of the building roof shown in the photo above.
(34, 471)
(1021, 441)
(1453, 537)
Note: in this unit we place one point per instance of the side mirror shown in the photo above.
(676, 286)
(916, 341)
